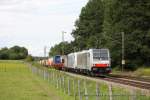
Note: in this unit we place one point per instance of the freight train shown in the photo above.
(91, 62)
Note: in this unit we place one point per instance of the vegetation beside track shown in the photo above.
(142, 72)
(18, 83)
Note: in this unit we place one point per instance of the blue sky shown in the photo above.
(37, 23)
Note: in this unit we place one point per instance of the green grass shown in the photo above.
(120, 93)
(18, 83)
(140, 72)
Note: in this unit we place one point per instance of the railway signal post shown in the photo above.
(63, 32)
(123, 59)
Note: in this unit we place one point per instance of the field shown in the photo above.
(18, 83)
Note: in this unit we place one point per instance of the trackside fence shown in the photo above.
(84, 89)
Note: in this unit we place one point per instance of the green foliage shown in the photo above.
(89, 26)
(100, 25)
(142, 72)
(14, 53)
(133, 18)
(61, 49)
(4, 53)
(29, 58)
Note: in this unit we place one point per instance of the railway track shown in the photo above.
(121, 80)
(130, 82)
(131, 77)
(124, 80)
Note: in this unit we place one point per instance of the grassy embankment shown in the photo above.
(18, 83)
(143, 72)
(119, 93)
(140, 72)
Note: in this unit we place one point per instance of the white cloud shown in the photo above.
(36, 23)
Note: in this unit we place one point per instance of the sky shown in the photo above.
(37, 23)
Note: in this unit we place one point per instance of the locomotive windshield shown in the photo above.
(100, 54)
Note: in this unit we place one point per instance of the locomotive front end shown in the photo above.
(101, 61)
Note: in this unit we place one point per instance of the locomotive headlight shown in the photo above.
(94, 68)
(107, 69)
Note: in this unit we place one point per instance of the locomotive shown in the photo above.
(91, 62)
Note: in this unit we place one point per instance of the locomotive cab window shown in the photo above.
(100, 55)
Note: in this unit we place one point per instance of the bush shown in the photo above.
(13, 53)
(29, 58)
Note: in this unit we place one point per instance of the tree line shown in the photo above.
(100, 25)
(13, 53)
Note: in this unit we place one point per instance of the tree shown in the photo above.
(4, 53)
(13, 53)
(89, 26)
(17, 52)
(61, 49)
(133, 18)
(29, 58)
